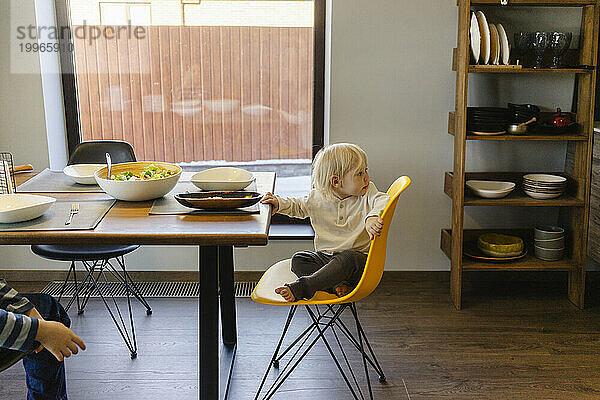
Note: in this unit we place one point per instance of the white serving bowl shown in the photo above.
(490, 189)
(17, 207)
(138, 190)
(82, 173)
(223, 178)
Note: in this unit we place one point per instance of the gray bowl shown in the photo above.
(558, 243)
(545, 232)
(549, 254)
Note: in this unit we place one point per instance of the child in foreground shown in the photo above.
(344, 207)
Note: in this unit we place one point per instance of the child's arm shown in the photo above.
(378, 201)
(291, 206)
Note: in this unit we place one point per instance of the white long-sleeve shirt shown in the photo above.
(338, 224)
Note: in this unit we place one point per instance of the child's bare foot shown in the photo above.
(286, 293)
(342, 290)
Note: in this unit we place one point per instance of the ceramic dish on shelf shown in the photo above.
(474, 39)
(471, 250)
(487, 133)
(546, 179)
(504, 47)
(484, 31)
(218, 200)
(546, 129)
(494, 45)
(542, 196)
(490, 189)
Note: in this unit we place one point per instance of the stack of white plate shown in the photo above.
(488, 42)
(544, 186)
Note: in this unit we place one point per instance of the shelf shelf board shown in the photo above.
(519, 138)
(527, 263)
(517, 198)
(508, 70)
(545, 3)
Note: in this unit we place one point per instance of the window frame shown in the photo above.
(69, 80)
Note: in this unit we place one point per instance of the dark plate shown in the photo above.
(471, 250)
(546, 129)
(218, 200)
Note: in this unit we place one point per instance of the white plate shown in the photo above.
(494, 45)
(23, 207)
(82, 173)
(504, 47)
(474, 39)
(490, 189)
(223, 178)
(484, 30)
(541, 196)
(545, 178)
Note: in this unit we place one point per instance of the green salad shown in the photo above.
(150, 172)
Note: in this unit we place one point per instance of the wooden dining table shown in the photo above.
(215, 236)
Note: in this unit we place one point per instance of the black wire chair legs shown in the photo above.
(327, 322)
(96, 273)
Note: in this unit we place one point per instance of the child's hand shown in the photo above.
(272, 200)
(373, 226)
(58, 339)
(33, 313)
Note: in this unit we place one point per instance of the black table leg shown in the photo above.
(228, 316)
(208, 320)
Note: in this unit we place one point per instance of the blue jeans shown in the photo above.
(45, 375)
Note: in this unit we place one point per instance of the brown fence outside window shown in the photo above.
(196, 93)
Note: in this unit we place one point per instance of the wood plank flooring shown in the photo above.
(517, 337)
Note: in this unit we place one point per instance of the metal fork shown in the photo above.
(74, 210)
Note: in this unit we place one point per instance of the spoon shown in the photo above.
(109, 164)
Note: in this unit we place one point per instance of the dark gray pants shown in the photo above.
(320, 271)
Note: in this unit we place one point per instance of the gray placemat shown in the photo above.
(90, 214)
(55, 182)
(167, 205)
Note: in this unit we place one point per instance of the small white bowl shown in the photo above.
(490, 189)
(223, 178)
(82, 173)
(138, 190)
(17, 207)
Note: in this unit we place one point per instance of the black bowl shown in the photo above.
(218, 200)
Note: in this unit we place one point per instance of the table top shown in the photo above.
(129, 223)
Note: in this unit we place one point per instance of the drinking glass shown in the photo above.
(559, 43)
(521, 45)
(539, 44)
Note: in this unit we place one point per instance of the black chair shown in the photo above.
(96, 259)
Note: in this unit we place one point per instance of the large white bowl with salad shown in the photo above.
(139, 181)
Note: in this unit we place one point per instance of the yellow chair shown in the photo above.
(329, 318)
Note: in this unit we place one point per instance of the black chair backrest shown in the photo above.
(94, 152)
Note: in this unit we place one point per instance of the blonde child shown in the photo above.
(344, 207)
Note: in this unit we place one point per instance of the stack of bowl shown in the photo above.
(544, 186)
(549, 242)
(482, 120)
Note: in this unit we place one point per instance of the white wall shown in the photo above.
(391, 90)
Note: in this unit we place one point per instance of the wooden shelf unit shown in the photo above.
(573, 205)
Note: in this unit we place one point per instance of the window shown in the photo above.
(124, 14)
(198, 81)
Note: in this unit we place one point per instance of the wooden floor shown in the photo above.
(517, 337)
